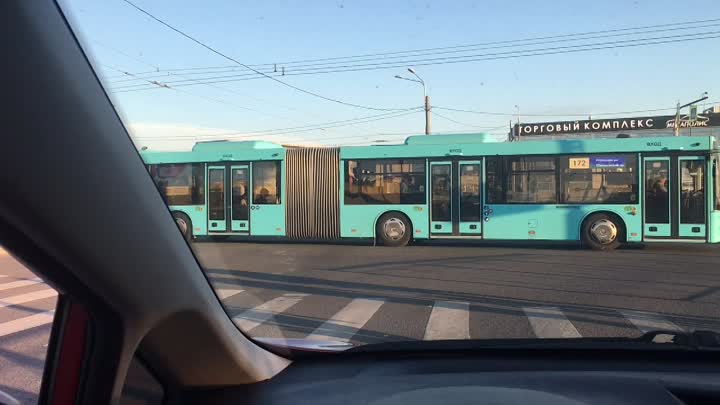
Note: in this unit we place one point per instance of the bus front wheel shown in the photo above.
(184, 224)
(602, 232)
(394, 229)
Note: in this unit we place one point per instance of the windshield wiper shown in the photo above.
(652, 340)
(307, 345)
(696, 340)
(699, 339)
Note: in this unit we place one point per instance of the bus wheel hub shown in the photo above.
(182, 225)
(394, 228)
(604, 231)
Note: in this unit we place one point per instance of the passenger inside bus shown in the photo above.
(240, 206)
(262, 198)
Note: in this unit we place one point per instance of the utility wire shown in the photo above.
(166, 86)
(508, 114)
(386, 135)
(460, 123)
(625, 30)
(453, 60)
(503, 42)
(215, 51)
(245, 137)
(282, 131)
(231, 91)
(405, 54)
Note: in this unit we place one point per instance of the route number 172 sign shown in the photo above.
(579, 163)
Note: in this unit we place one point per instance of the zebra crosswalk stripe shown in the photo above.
(224, 293)
(253, 318)
(23, 298)
(19, 283)
(647, 321)
(26, 322)
(550, 322)
(345, 323)
(448, 320)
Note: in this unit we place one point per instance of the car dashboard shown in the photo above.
(507, 377)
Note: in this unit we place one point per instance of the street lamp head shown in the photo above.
(411, 70)
(398, 77)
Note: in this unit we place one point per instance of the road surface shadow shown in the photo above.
(425, 296)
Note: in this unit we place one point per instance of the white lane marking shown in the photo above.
(224, 293)
(23, 298)
(252, 318)
(448, 320)
(19, 283)
(550, 322)
(27, 322)
(343, 325)
(647, 321)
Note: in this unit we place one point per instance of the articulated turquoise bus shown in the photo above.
(602, 192)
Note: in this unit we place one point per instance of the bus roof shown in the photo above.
(456, 146)
(436, 146)
(229, 146)
(216, 151)
(449, 138)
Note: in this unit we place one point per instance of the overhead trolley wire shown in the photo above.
(687, 25)
(451, 60)
(217, 52)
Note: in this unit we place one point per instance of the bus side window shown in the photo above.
(266, 182)
(493, 180)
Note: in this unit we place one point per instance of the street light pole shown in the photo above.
(427, 115)
(425, 96)
(676, 127)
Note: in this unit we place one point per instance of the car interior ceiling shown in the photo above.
(147, 297)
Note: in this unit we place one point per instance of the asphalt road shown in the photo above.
(364, 294)
(26, 306)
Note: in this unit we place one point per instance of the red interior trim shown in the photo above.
(70, 360)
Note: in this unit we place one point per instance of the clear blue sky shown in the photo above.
(120, 37)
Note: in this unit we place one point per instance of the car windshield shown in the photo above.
(359, 173)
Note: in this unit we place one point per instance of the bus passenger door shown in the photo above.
(675, 205)
(441, 209)
(217, 200)
(470, 204)
(239, 208)
(691, 213)
(658, 189)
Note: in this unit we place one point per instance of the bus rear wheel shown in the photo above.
(602, 232)
(394, 229)
(184, 224)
